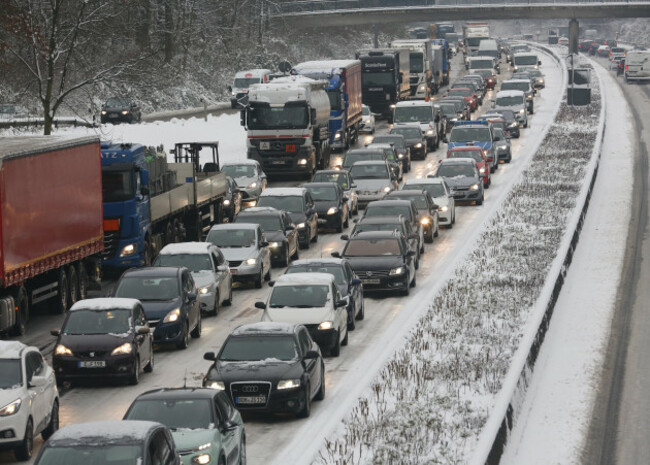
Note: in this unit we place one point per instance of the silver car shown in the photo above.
(209, 270)
(373, 179)
(367, 120)
(245, 248)
(250, 179)
(438, 190)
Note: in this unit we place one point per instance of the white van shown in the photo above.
(637, 65)
(482, 63)
(514, 100)
(242, 82)
(489, 48)
(525, 60)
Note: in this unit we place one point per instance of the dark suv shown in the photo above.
(394, 208)
(300, 205)
(330, 203)
(382, 260)
(120, 109)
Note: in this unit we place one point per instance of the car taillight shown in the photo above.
(625, 67)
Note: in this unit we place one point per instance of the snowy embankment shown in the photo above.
(431, 401)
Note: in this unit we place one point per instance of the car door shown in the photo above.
(224, 415)
(34, 366)
(312, 365)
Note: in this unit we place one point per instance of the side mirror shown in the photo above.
(271, 283)
(260, 305)
(264, 243)
(311, 354)
(336, 254)
(436, 207)
(345, 237)
(539, 62)
(497, 139)
(142, 330)
(222, 268)
(191, 296)
(355, 281)
(345, 198)
(342, 303)
(38, 381)
(55, 332)
(144, 190)
(210, 356)
(228, 426)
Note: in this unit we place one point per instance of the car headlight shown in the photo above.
(368, 121)
(482, 170)
(453, 120)
(62, 351)
(300, 225)
(473, 187)
(233, 93)
(172, 316)
(202, 459)
(216, 385)
(387, 189)
(332, 210)
(251, 261)
(430, 132)
(252, 185)
(128, 250)
(522, 111)
(10, 408)
(226, 202)
(204, 290)
(326, 325)
(103, 112)
(337, 136)
(443, 209)
(274, 245)
(124, 349)
(125, 112)
(513, 125)
(397, 271)
(418, 145)
(422, 88)
(302, 161)
(288, 384)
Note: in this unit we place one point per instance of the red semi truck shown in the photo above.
(51, 224)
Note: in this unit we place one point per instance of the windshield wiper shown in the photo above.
(277, 306)
(307, 306)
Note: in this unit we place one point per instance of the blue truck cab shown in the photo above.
(127, 220)
(446, 57)
(478, 133)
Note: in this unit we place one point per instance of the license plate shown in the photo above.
(265, 146)
(113, 115)
(321, 221)
(233, 271)
(370, 281)
(250, 400)
(92, 364)
(278, 162)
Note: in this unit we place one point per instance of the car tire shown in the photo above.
(509, 159)
(242, 450)
(320, 395)
(134, 378)
(346, 339)
(315, 238)
(73, 285)
(228, 302)
(480, 201)
(186, 337)
(339, 227)
(63, 293)
(526, 124)
(336, 350)
(414, 281)
(151, 364)
(352, 324)
(306, 409)
(437, 233)
(267, 276)
(258, 281)
(296, 254)
(407, 290)
(356, 209)
(362, 312)
(346, 224)
(83, 281)
(25, 450)
(22, 306)
(215, 309)
(196, 332)
(53, 425)
(428, 238)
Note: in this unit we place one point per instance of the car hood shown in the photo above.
(255, 371)
(155, 309)
(415, 140)
(275, 236)
(105, 108)
(322, 206)
(238, 254)
(93, 342)
(485, 145)
(460, 181)
(297, 217)
(203, 278)
(383, 262)
(188, 439)
(371, 184)
(9, 395)
(441, 201)
(244, 181)
(303, 316)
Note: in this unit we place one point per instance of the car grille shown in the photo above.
(372, 274)
(234, 263)
(153, 323)
(95, 354)
(111, 243)
(250, 389)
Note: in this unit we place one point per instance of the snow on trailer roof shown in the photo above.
(11, 349)
(255, 72)
(105, 303)
(102, 433)
(23, 146)
(188, 248)
(327, 66)
(304, 278)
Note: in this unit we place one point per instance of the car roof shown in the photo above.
(407, 125)
(383, 203)
(283, 191)
(317, 261)
(369, 162)
(178, 393)
(527, 81)
(103, 433)
(154, 271)
(105, 303)
(510, 93)
(466, 148)
(304, 278)
(189, 248)
(331, 184)
(234, 226)
(265, 327)
(458, 161)
(11, 349)
(365, 235)
(391, 219)
(405, 193)
(260, 211)
(362, 151)
(387, 136)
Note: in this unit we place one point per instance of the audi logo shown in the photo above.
(249, 389)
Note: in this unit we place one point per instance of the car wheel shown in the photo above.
(215, 309)
(407, 290)
(347, 220)
(229, 301)
(185, 341)
(339, 227)
(196, 332)
(315, 238)
(356, 209)
(344, 342)
(53, 425)
(336, 350)
(414, 281)
(150, 365)
(428, 237)
(62, 299)
(437, 233)
(135, 376)
(258, 281)
(306, 408)
(287, 257)
(509, 159)
(296, 254)
(526, 124)
(242, 450)
(351, 320)
(417, 262)
(480, 201)
(362, 312)
(320, 395)
(26, 448)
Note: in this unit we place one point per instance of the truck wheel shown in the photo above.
(73, 285)
(21, 302)
(62, 295)
(82, 273)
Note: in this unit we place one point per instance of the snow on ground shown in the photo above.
(557, 410)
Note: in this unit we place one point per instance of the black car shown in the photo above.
(269, 367)
(298, 202)
(232, 200)
(120, 109)
(330, 203)
(169, 297)
(344, 179)
(414, 138)
(511, 123)
(393, 207)
(462, 106)
(355, 155)
(348, 283)
(449, 114)
(401, 147)
(280, 232)
(427, 209)
(382, 260)
(103, 338)
(388, 223)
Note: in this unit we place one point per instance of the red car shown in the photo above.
(466, 93)
(478, 155)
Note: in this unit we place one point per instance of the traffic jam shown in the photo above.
(382, 152)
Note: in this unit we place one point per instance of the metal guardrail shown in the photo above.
(308, 6)
(34, 122)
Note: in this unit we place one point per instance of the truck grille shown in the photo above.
(111, 243)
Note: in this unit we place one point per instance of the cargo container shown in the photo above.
(51, 234)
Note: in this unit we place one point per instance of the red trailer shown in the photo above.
(51, 224)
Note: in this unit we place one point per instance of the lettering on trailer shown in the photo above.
(375, 65)
(113, 155)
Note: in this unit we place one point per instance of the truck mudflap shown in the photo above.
(7, 313)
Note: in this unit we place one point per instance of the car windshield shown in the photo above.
(95, 454)
(193, 262)
(515, 100)
(117, 102)
(469, 134)
(507, 115)
(416, 62)
(339, 178)
(452, 171)
(148, 288)
(409, 133)
(245, 83)
(377, 79)
(266, 222)
(117, 321)
(413, 114)
(473, 154)
(323, 194)
(371, 248)
(290, 203)
(448, 109)
(481, 64)
(117, 184)
(288, 116)
(363, 227)
(11, 375)
(239, 171)
(419, 200)
(526, 60)
(351, 158)
(365, 111)
(510, 85)
(334, 270)
(397, 142)
(387, 210)
(299, 296)
(434, 190)
(498, 132)
(175, 414)
(228, 238)
(369, 172)
(460, 92)
(257, 348)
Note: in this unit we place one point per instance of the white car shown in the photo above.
(29, 398)
(250, 179)
(514, 100)
(312, 300)
(439, 191)
(367, 120)
(209, 269)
